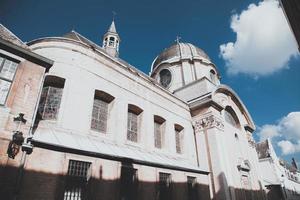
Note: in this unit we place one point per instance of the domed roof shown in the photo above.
(178, 52)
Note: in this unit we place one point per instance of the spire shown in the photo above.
(112, 27)
(111, 40)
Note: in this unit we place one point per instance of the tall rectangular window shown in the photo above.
(192, 188)
(7, 72)
(164, 190)
(77, 180)
(159, 131)
(133, 122)
(179, 138)
(132, 127)
(99, 115)
(129, 183)
(50, 102)
(51, 97)
(157, 135)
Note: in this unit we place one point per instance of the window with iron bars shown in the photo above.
(192, 188)
(164, 190)
(99, 115)
(77, 180)
(129, 183)
(132, 127)
(178, 138)
(8, 69)
(50, 102)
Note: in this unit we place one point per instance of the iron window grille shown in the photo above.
(8, 69)
(99, 115)
(164, 186)
(132, 127)
(50, 102)
(129, 183)
(192, 188)
(76, 187)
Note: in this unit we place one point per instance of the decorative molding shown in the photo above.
(208, 122)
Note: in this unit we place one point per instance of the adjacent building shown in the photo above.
(105, 130)
(21, 76)
(282, 180)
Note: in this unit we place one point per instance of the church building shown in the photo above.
(105, 130)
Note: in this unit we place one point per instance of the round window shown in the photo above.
(165, 77)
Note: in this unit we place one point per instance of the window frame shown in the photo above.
(160, 122)
(178, 129)
(68, 182)
(107, 99)
(137, 111)
(5, 57)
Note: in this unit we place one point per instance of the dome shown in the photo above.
(178, 52)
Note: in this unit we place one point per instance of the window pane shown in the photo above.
(132, 127)
(77, 180)
(4, 89)
(50, 102)
(8, 70)
(178, 141)
(164, 186)
(157, 135)
(129, 183)
(192, 188)
(99, 115)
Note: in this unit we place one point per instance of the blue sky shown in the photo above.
(146, 27)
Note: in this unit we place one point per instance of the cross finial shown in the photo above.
(114, 13)
(177, 39)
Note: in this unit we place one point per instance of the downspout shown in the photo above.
(196, 146)
(27, 140)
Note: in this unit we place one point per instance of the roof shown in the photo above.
(10, 37)
(12, 44)
(177, 52)
(99, 147)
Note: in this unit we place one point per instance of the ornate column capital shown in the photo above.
(207, 122)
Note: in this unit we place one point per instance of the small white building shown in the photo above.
(282, 180)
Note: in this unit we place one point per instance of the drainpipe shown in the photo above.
(27, 144)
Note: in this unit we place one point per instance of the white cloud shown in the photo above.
(288, 147)
(286, 132)
(264, 42)
(268, 131)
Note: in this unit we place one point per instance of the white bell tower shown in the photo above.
(111, 41)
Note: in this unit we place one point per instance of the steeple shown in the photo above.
(111, 40)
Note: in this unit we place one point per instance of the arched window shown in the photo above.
(105, 42)
(51, 97)
(100, 111)
(212, 76)
(159, 131)
(133, 122)
(230, 117)
(178, 138)
(111, 42)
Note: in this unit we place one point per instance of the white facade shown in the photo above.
(215, 142)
